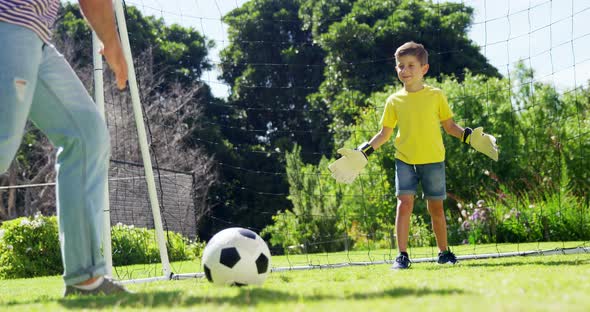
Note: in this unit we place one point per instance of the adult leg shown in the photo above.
(64, 111)
(19, 61)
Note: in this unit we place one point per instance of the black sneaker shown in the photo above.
(446, 257)
(401, 262)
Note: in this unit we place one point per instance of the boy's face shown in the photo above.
(409, 70)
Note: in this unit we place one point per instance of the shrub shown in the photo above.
(29, 247)
(134, 245)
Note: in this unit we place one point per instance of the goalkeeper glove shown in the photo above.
(352, 162)
(481, 142)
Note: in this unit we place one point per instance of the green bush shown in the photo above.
(134, 245)
(29, 247)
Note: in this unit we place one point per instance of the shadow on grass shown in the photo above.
(245, 297)
(485, 263)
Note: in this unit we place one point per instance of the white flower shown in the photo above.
(29, 249)
(25, 221)
(9, 247)
(37, 223)
(2, 233)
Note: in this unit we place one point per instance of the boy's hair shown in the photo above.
(413, 48)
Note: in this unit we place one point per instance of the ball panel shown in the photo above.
(229, 257)
(208, 273)
(247, 233)
(262, 264)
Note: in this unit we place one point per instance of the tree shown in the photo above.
(180, 53)
(360, 51)
(272, 64)
(169, 61)
(301, 71)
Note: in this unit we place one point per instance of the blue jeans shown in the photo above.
(37, 83)
(431, 176)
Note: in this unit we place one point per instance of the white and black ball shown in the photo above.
(236, 256)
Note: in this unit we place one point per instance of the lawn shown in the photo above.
(531, 283)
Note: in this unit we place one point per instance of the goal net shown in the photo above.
(294, 80)
(236, 108)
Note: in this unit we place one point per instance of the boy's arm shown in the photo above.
(381, 137)
(352, 162)
(480, 141)
(452, 128)
(100, 16)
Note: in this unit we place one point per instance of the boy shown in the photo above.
(418, 110)
(37, 83)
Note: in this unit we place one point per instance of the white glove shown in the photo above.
(482, 142)
(349, 166)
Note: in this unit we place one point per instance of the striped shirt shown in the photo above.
(36, 15)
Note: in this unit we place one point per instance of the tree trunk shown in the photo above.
(12, 192)
(3, 213)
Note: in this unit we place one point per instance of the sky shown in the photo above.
(551, 36)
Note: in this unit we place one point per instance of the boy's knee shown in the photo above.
(436, 211)
(405, 204)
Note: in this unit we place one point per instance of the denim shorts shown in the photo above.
(431, 176)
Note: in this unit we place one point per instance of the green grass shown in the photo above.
(532, 283)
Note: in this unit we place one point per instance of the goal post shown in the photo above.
(143, 143)
(99, 100)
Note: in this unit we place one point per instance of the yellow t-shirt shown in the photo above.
(418, 116)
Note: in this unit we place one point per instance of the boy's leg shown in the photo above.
(439, 226)
(433, 181)
(19, 61)
(405, 205)
(434, 184)
(406, 181)
(439, 223)
(64, 111)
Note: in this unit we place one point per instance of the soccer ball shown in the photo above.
(236, 256)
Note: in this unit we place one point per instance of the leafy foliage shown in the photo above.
(302, 72)
(179, 52)
(540, 136)
(360, 48)
(133, 245)
(29, 247)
